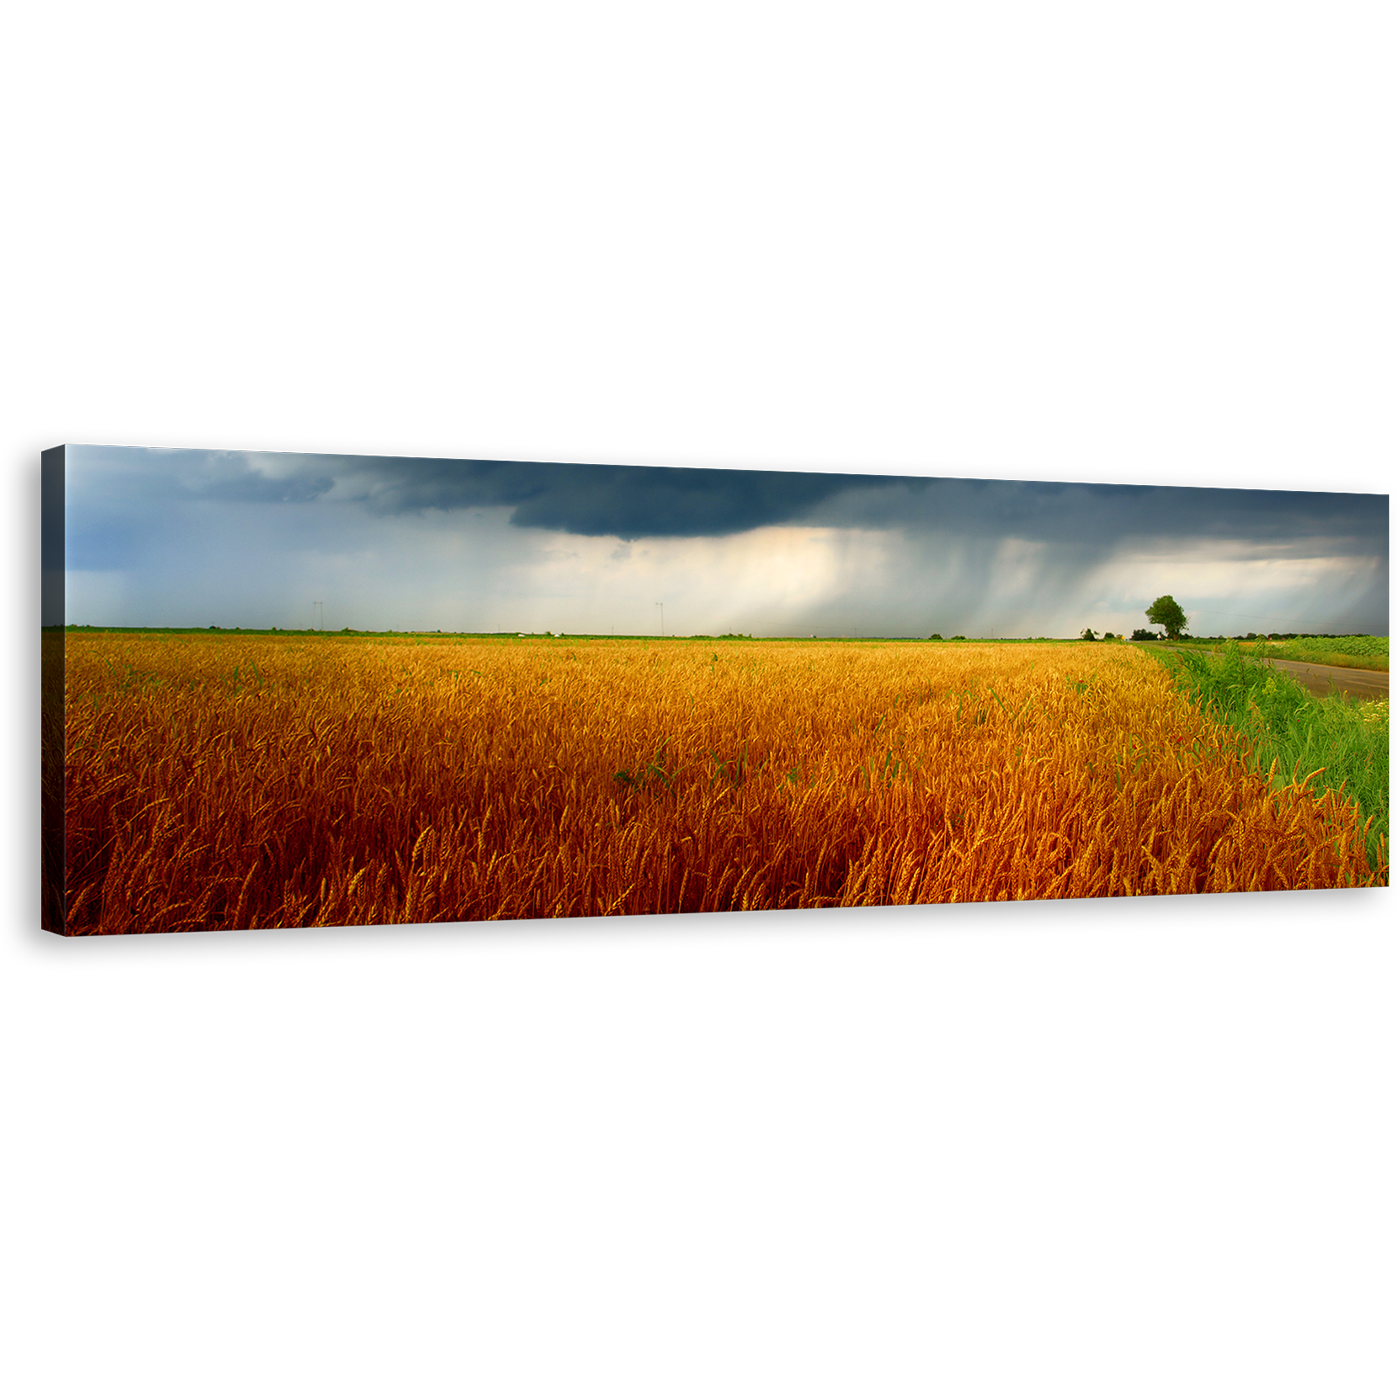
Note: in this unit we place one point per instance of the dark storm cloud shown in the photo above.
(658, 502)
(627, 502)
(1096, 516)
(632, 503)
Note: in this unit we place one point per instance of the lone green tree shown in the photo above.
(1167, 612)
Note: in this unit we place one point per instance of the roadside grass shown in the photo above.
(1293, 736)
(1357, 653)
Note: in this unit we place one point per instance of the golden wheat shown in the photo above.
(256, 781)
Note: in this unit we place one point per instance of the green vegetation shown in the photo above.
(1360, 653)
(1293, 736)
(1355, 653)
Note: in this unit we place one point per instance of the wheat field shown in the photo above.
(256, 781)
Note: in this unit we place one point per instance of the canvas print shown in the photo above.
(287, 689)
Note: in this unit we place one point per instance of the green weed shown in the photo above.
(1294, 736)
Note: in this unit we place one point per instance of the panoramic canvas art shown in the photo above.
(285, 689)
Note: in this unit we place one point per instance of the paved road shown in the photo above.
(1363, 685)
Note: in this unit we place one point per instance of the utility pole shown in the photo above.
(322, 607)
(662, 606)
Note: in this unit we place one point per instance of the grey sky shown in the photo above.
(189, 538)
